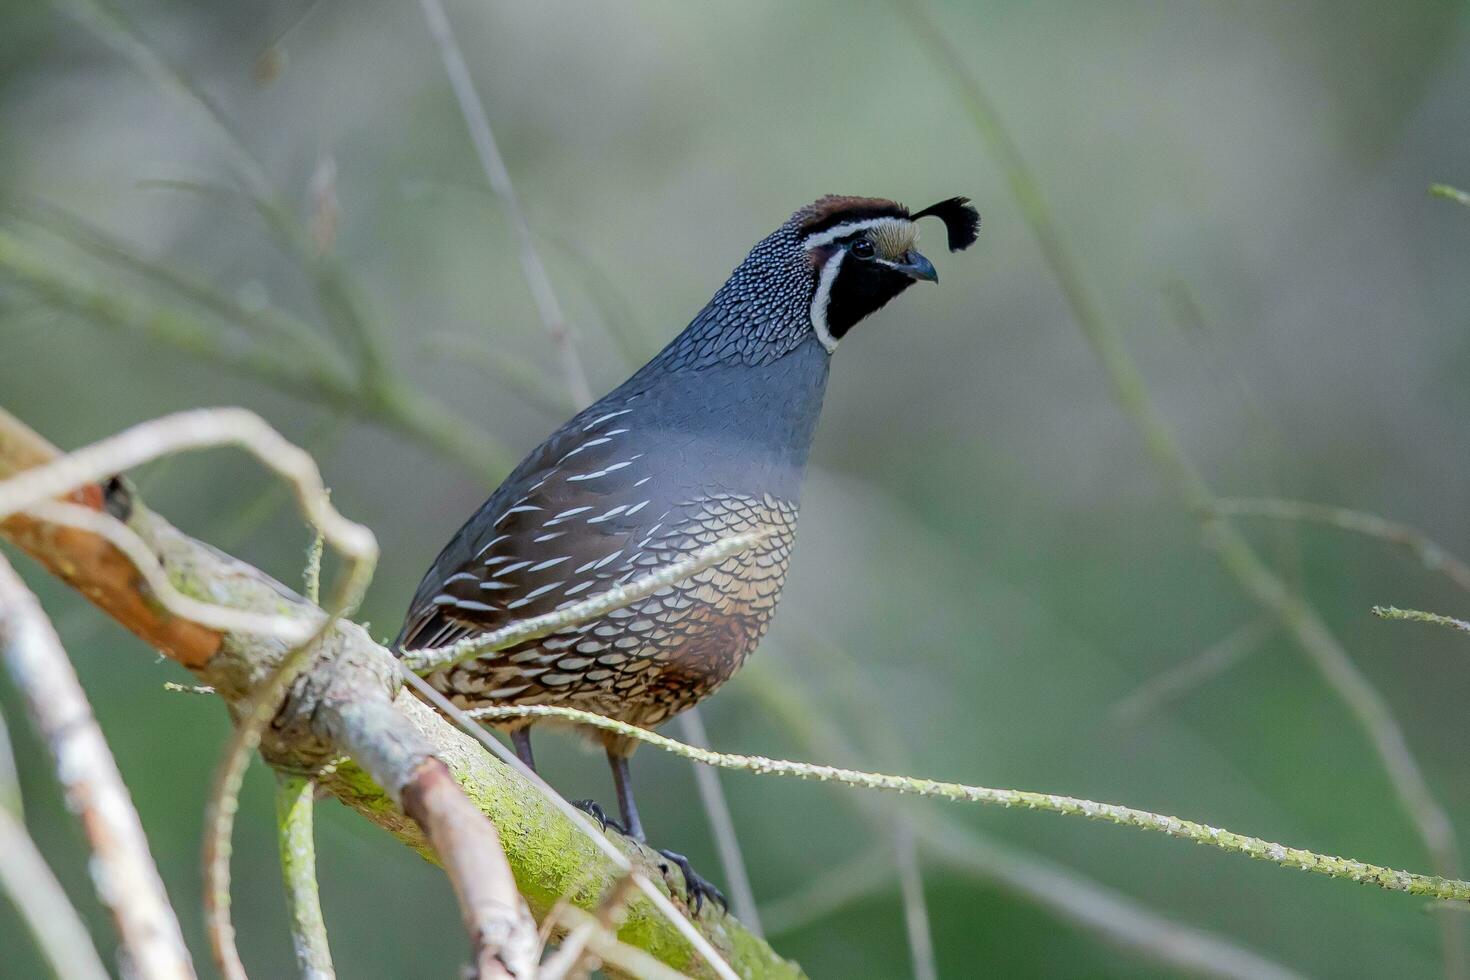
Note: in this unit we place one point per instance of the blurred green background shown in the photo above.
(989, 562)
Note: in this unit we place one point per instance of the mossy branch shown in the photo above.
(298, 871)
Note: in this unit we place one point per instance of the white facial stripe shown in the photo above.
(822, 297)
(849, 228)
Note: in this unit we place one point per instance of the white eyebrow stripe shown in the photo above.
(848, 228)
(822, 297)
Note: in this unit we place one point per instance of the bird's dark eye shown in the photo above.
(862, 248)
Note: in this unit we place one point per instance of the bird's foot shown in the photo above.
(594, 810)
(696, 887)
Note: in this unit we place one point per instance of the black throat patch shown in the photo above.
(860, 289)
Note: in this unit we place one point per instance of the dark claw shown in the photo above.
(696, 887)
(594, 810)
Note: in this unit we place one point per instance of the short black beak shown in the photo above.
(917, 267)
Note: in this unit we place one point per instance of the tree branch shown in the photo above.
(122, 868)
(348, 702)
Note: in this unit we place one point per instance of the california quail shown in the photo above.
(707, 440)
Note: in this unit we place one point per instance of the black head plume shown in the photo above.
(960, 218)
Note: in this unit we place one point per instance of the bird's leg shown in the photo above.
(695, 886)
(520, 738)
(626, 805)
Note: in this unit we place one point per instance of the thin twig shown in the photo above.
(1297, 616)
(32, 489)
(527, 380)
(1419, 616)
(338, 297)
(110, 27)
(577, 817)
(1189, 674)
(122, 868)
(10, 795)
(207, 614)
(1072, 897)
(570, 959)
(323, 382)
(915, 911)
(852, 881)
(1450, 193)
(1117, 919)
(1411, 539)
(722, 826)
(58, 930)
(478, 123)
(1225, 840)
(533, 627)
(629, 960)
(298, 872)
(268, 323)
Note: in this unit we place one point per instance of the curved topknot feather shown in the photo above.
(960, 218)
